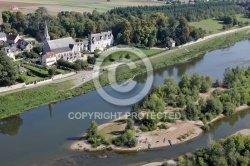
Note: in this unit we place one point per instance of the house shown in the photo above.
(11, 51)
(3, 36)
(14, 7)
(65, 48)
(24, 45)
(13, 39)
(49, 58)
(171, 43)
(100, 40)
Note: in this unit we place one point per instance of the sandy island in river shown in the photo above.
(157, 138)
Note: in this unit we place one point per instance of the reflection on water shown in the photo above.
(11, 125)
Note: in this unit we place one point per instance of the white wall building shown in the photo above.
(100, 40)
(3, 37)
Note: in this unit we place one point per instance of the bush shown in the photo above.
(163, 126)
(209, 116)
(206, 127)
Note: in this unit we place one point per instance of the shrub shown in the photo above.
(163, 126)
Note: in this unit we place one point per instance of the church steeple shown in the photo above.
(46, 36)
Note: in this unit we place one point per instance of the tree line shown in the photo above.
(143, 25)
(233, 150)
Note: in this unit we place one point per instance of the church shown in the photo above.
(53, 50)
(70, 50)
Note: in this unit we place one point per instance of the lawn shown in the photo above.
(213, 26)
(210, 25)
(240, 17)
(152, 51)
(120, 55)
(27, 99)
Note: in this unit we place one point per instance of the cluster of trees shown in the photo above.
(94, 137)
(196, 12)
(127, 138)
(148, 25)
(77, 65)
(185, 96)
(234, 150)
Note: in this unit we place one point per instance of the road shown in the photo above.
(85, 76)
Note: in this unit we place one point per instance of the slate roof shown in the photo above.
(100, 36)
(12, 37)
(59, 45)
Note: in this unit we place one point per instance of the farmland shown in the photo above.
(55, 6)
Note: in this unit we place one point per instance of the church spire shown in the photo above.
(46, 36)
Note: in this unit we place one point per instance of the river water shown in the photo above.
(42, 136)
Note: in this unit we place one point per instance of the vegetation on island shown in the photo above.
(186, 97)
(234, 150)
(127, 138)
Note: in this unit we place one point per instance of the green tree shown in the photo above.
(52, 71)
(7, 70)
(130, 124)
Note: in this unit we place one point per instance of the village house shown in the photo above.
(13, 39)
(25, 45)
(3, 37)
(14, 7)
(11, 51)
(171, 43)
(100, 40)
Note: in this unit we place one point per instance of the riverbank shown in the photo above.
(18, 102)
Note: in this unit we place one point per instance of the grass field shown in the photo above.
(213, 26)
(120, 55)
(55, 6)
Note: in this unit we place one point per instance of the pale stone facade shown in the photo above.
(100, 40)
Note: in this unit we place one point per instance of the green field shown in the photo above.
(213, 26)
(55, 6)
(120, 55)
(210, 25)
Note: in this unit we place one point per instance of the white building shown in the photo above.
(3, 37)
(171, 43)
(49, 58)
(11, 51)
(100, 40)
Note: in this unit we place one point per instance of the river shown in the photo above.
(42, 136)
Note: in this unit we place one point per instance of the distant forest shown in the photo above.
(144, 25)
